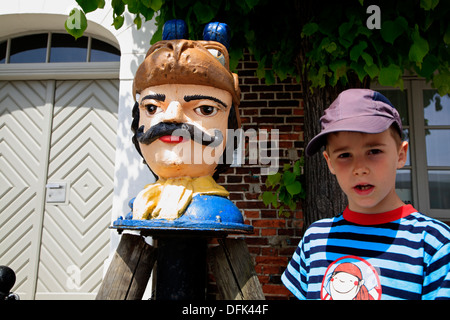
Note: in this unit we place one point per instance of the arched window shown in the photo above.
(56, 47)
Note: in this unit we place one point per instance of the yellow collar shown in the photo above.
(168, 198)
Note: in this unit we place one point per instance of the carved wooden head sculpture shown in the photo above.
(186, 99)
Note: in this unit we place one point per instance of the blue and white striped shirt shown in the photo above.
(401, 254)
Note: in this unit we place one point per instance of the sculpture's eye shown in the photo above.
(218, 55)
(151, 109)
(206, 111)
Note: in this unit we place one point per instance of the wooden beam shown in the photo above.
(234, 271)
(129, 271)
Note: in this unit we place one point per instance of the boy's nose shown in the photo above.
(174, 112)
(360, 168)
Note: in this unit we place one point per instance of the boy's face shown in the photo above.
(365, 166)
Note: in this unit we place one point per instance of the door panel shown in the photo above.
(25, 120)
(75, 237)
(52, 132)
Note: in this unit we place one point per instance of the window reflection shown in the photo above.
(102, 51)
(65, 48)
(438, 147)
(437, 140)
(436, 108)
(29, 49)
(439, 186)
(403, 185)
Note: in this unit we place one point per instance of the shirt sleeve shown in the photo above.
(437, 278)
(294, 277)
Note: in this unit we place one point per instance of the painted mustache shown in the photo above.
(184, 130)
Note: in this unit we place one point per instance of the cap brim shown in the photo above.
(364, 124)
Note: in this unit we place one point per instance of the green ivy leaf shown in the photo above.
(346, 34)
(447, 35)
(441, 82)
(268, 197)
(339, 68)
(390, 76)
(155, 5)
(281, 212)
(203, 12)
(428, 4)
(138, 21)
(157, 36)
(359, 69)
(309, 29)
(273, 179)
(419, 48)
(91, 5)
(269, 77)
(118, 7)
(297, 168)
(294, 188)
(367, 58)
(292, 205)
(390, 31)
(118, 22)
(429, 66)
(76, 23)
(357, 50)
(288, 178)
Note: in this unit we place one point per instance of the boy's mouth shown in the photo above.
(363, 189)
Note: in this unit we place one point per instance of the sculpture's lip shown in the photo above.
(173, 139)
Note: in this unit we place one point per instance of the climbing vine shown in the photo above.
(412, 36)
(327, 46)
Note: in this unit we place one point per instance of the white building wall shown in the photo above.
(26, 16)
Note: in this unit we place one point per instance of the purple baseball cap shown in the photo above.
(358, 110)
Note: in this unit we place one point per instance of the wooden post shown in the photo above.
(181, 271)
(234, 270)
(129, 271)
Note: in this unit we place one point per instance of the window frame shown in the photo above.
(58, 70)
(417, 144)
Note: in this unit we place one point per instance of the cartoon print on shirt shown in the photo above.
(350, 278)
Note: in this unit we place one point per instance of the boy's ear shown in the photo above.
(402, 154)
(327, 158)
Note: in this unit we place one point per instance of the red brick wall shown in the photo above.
(278, 106)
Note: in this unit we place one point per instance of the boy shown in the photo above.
(378, 248)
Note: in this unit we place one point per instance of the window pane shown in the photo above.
(439, 186)
(102, 51)
(66, 49)
(399, 100)
(32, 48)
(437, 108)
(403, 185)
(3, 52)
(438, 147)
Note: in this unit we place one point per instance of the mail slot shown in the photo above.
(56, 192)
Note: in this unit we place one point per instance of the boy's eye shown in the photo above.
(206, 111)
(375, 151)
(344, 155)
